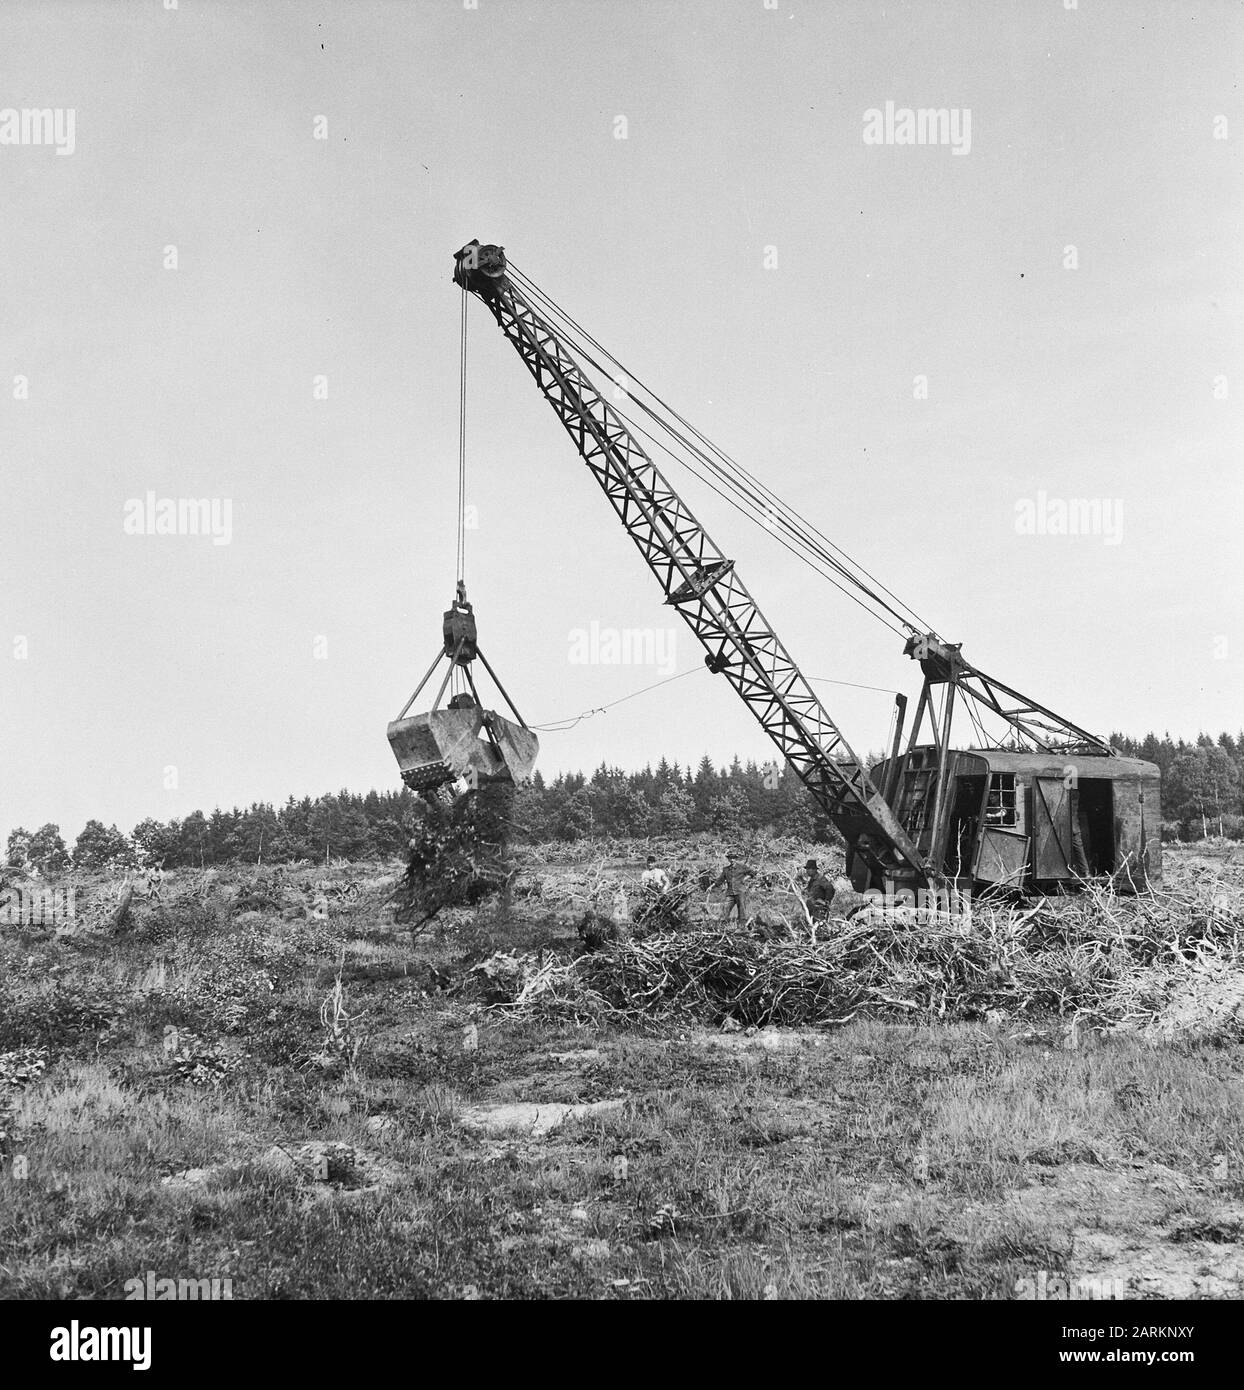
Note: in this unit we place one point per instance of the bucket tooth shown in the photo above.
(432, 749)
(418, 753)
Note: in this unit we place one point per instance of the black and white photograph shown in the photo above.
(620, 666)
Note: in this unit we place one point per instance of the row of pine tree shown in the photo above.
(1202, 791)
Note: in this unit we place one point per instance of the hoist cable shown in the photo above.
(758, 495)
(772, 513)
(462, 394)
(754, 509)
(792, 517)
(786, 514)
(708, 483)
(977, 725)
(889, 732)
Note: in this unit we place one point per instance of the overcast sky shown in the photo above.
(1067, 278)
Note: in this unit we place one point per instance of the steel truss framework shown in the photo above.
(1034, 725)
(699, 581)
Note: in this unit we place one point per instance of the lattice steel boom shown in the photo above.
(698, 580)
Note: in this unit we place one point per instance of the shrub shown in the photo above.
(457, 855)
(57, 1016)
(262, 893)
(17, 1071)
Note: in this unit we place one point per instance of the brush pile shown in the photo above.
(1169, 965)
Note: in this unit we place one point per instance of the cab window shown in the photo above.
(1000, 803)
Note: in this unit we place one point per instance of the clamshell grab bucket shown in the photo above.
(464, 740)
(432, 749)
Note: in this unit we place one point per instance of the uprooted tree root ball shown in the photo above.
(458, 854)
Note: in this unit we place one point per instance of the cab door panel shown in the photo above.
(1002, 857)
(1051, 828)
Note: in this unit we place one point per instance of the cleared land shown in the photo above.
(263, 1079)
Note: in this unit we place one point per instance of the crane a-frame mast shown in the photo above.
(700, 582)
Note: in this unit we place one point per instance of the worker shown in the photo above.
(736, 889)
(654, 879)
(1080, 837)
(818, 894)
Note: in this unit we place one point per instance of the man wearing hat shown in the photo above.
(819, 893)
(734, 876)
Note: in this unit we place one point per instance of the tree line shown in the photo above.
(1202, 794)
(1202, 782)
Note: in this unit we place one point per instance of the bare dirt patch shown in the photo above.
(769, 1039)
(530, 1119)
(1127, 1225)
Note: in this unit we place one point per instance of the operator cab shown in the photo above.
(1029, 820)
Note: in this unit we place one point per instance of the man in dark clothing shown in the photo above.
(736, 890)
(819, 893)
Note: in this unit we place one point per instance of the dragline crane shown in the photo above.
(1046, 803)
